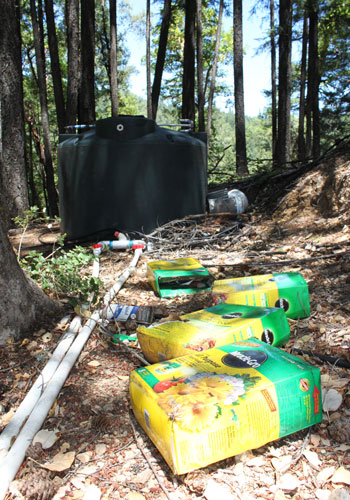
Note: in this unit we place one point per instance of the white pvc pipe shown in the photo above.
(10, 464)
(28, 403)
(15, 457)
(117, 286)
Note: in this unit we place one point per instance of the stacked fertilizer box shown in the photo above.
(286, 290)
(208, 406)
(212, 327)
(170, 278)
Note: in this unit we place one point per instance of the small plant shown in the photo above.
(62, 274)
(23, 221)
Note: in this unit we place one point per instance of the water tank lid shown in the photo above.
(124, 127)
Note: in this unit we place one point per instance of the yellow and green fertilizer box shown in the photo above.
(212, 327)
(286, 290)
(169, 278)
(212, 405)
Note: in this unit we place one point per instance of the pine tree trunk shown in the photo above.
(87, 83)
(214, 69)
(37, 24)
(188, 78)
(55, 66)
(301, 126)
(284, 82)
(273, 81)
(13, 184)
(163, 40)
(72, 22)
(22, 302)
(200, 84)
(148, 58)
(313, 78)
(113, 57)
(241, 154)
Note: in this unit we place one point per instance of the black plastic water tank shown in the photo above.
(129, 174)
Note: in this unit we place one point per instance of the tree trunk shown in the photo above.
(214, 69)
(22, 302)
(163, 40)
(301, 127)
(113, 57)
(188, 107)
(41, 72)
(72, 22)
(200, 83)
(148, 58)
(284, 82)
(241, 152)
(87, 83)
(273, 81)
(313, 78)
(13, 183)
(55, 66)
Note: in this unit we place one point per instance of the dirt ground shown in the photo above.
(306, 229)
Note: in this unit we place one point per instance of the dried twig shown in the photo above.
(165, 491)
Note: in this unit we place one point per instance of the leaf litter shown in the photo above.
(97, 449)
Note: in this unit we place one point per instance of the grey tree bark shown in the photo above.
(241, 150)
(113, 56)
(36, 15)
(72, 22)
(284, 82)
(188, 77)
(13, 184)
(87, 52)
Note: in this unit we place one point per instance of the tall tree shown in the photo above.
(21, 301)
(301, 120)
(273, 79)
(241, 151)
(214, 69)
(148, 58)
(113, 56)
(87, 53)
(188, 79)
(162, 45)
(13, 186)
(55, 65)
(73, 70)
(38, 29)
(200, 83)
(284, 81)
(313, 80)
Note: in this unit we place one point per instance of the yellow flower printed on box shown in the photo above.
(194, 403)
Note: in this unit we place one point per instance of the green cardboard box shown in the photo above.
(170, 278)
(212, 327)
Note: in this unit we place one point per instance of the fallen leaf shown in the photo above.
(6, 418)
(322, 494)
(46, 438)
(256, 462)
(341, 475)
(282, 463)
(315, 439)
(100, 449)
(60, 462)
(84, 458)
(288, 482)
(332, 400)
(92, 493)
(215, 490)
(94, 363)
(325, 474)
(46, 337)
(135, 495)
(312, 457)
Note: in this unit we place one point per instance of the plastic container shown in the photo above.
(233, 201)
(129, 174)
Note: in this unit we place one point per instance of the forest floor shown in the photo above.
(301, 226)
